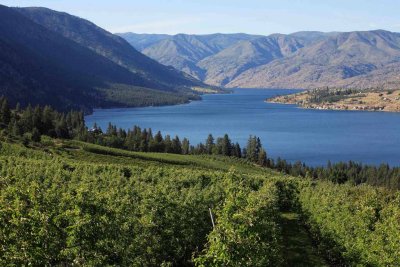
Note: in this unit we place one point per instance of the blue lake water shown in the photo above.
(311, 136)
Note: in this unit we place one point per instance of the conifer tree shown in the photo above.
(176, 145)
(185, 146)
(262, 157)
(210, 144)
(48, 121)
(36, 137)
(251, 149)
(236, 151)
(226, 146)
(157, 143)
(5, 112)
(168, 144)
(14, 128)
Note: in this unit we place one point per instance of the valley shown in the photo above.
(120, 147)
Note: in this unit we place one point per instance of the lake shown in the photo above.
(286, 131)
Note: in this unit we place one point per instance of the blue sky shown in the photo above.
(229, 16)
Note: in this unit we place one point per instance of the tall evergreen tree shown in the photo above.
(176, 145)
(251, 149)
(185, 146)
(5, 113)
(262, 158)
(210, 144)
(226, 146)
(237, 152)
(48, 121)
(26, 119)
(157, 143)
(168, 144)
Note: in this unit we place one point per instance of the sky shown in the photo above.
(229, 16)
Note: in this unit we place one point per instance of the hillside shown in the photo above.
(299, 60)
(229, 63)
(183, 51)
(66, 67)
(69, 195)
(110, 46)
(343, 60)
(66, 202)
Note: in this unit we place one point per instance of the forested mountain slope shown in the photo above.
(63, 67)
(108, 45)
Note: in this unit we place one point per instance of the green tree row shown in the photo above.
(247, 230)
(355, 225)
(30, 123)
(59, 213)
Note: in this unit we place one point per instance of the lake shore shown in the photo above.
(384, 101)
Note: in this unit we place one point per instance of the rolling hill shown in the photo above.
(48, 57)
(66, 201)
(360, 59)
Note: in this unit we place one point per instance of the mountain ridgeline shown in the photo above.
(362, 59)
(49, 57)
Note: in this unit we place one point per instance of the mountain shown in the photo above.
(48, 57)
(353, 59)
(141, 41)
(227, 64)
(183, 51)
(108, 45)
(299, 60)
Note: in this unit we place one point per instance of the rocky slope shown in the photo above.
(361, 59)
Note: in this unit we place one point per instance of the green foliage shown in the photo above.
(331, 95)
(343, 172)
(74, 203)
(56, 212)
(67, 202)
(135, 96)
(354, 225)
(30, 123)
(247, 232)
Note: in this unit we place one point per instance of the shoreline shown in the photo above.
(331, 109)
(372, 101)
(92, 110)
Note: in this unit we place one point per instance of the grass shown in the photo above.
(85, 152)
(299, 248)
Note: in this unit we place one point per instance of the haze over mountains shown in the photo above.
(49, 57)
(360, 59)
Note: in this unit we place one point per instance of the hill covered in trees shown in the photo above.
(49, 57)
